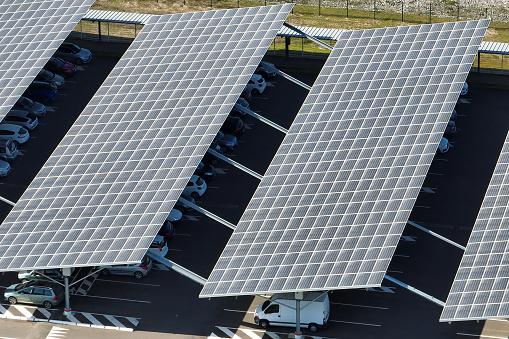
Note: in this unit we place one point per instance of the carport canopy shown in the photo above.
(331, 208)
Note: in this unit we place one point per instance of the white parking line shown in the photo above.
(23, 311)
(72, 318)
(363, 306)
(112, 298)
(422, 207)
(7, 338)
(250, 333)
(113, 320)
(480, 336)
(45, 312)
(6, 312)
(431, 173)
(355, 323)
(91, 318)
(238, 311)
(401, 255)
(129, 282)
(228, 332)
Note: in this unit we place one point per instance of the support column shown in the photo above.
(298, 297)
(99, 30)
(67, 273)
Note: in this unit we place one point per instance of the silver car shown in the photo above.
(135, 270)
(49, 76)
(46, 294)
(22, 118)
(74, 53)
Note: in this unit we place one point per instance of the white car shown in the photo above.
(48, 76)
(267, 69)
(158, 246)
(22, 118)
(195, 188)
(14, 132)
(464, 90)
(174, 216)
(256, 84)
(27, 104)
(135, 270)
(443, 146)
(5, 168)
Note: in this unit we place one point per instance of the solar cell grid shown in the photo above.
(481, 287)
(30, 32)
(332, 205)
(105, 191)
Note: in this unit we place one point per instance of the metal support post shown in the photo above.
(347, 7)
(99, 29)
(235, 164)
(430, 12)
(7, 201)
(478, 62)
(298, 297)
(207, 213)
(436, 235)
(287, 45)
(295, 81)
(319, 7)
(415, 290)
(374, 9)
(177, 268)
(67, 272)
(402, 11)
(312, 38)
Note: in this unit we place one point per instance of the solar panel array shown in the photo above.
(107, 188)
(481, 287)
(30, 32)
(333, 203)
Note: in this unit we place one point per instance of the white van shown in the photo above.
(279, 310)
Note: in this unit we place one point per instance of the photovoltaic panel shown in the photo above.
(331, 208)
(107, 188)
(481, 287)
(30, 32)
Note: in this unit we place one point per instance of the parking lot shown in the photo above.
(167, 303)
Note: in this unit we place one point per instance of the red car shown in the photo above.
(60, 66)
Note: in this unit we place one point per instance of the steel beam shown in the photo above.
(415, 290)
(295, 80)
(310, 37)
(207, 213)
(265, 120)
(7, 201)
(177, 268)
(436, 235)
(235, 164)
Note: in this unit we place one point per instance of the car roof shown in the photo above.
(10, 127)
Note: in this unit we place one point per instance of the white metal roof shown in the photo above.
(488, 47)
(117, 17)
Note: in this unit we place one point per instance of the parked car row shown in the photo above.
(451, 128)
(24, 117)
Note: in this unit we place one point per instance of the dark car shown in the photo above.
(31, 106)
(205, 170)
(167, 230)
(60, 66)
(233, 125)
(41, 91)
(74, 53)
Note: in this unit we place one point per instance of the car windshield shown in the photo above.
(265, 305)
(23, 285)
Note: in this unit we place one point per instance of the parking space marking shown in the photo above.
(130, 282)
(422, 206)
(57, 332)
(401, 256)
(398, 272)
(355, 323)
(112, 298)
(237, 311)
(251, 334)
(44, 312)
(480, 336)
(191, 217)
(72, 318)
(113, 320)
(362, 306)
(7, 337)
(432, 173)
(91, 318)
(5, 312)
(229, 333)
(23, 311)
(133, 321)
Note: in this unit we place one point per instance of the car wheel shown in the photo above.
(264, 324)
(195, 195)
(105, 272)
(138, 275)
(47, 305)
(313, 327)
(12, 300)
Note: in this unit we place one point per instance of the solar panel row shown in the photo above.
(331, 208)
(30, 32)
(481, 287)
(107, 188)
